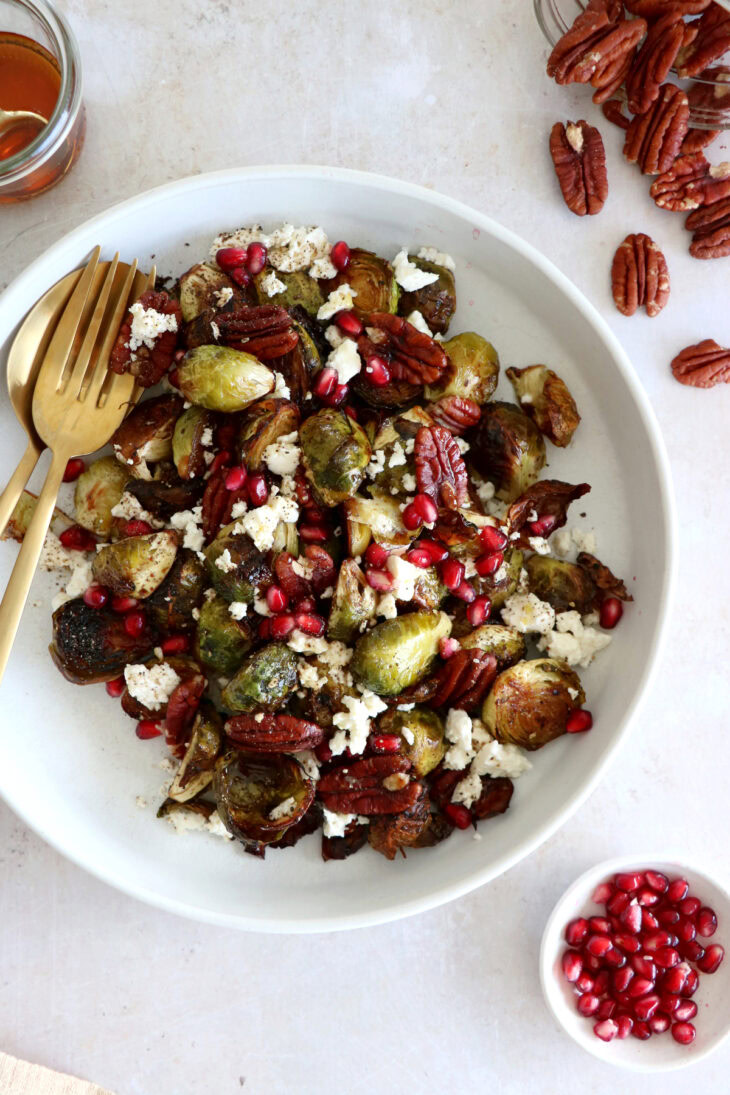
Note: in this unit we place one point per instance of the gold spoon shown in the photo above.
(11, 118)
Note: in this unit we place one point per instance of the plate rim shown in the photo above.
(525, 847)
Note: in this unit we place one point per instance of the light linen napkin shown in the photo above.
(20, 1078)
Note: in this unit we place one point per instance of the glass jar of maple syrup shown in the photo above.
(39, 72)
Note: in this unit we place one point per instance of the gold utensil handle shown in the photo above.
(19, 478)
(16, 592)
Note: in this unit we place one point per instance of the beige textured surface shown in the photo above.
(20, 1078)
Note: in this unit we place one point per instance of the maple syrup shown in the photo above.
(30, 79)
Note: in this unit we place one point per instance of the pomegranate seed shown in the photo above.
(256, 258)
(585, 983)
(644, 966)
(76, 538)
(668, 917)
(276, 598)
(411, 517)
(309, 623)
(628, 943)
(325, 383)
(220, 460)
(134, 623)
(377, 371)
(677, 891)
(427, 508)
(235, 478)
(600, 983)
(323, 753)
(116, 687)
(73, 469)
(386, 743)
(592, 963)
(465, 592)
(264, 628)
(479, 611)
(610, 612)
(258, 490)
(148, 728)
(645, 1006)
(123, 604)
(666, 957)
(96, 597)
(493, 539)
(710, 961)
(602, 892)
(175, 644)
(452, 573)
(448, 647)
(340, 255)
(659, 1023)
(606, 1030)
(657, 881)
(380, 580)
(692, 951)
(669, 1003)
(458, 815)
(599, 924)
(136, 527)
(313, 534)
(673, 980)
(240, 275)
(281, 626)
(628, 882)
(615, 959)
(572, 964)
(587, 1004)
(436, 551)
(647, 897)
(606, 1009)
(640, 986)
(617, 903)
(578, 721)
(349, 323)
(691, 984)
(631, 918)
(305, 605)
(625, 1025)
(419, 558)
(487, 565)
(621, 979)
(706, 922)
(649, 922)
(598, 945)
(641, 1031)
(376, 555)
(686, 1009)
(690, 906)
(684, 1033)
(228, 258)
(544, 525)
(686, 930)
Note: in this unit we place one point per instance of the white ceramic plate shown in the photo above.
(71, 764)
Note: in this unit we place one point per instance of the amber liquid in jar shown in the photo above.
(30, 79)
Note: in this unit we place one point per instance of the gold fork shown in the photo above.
(77, 405)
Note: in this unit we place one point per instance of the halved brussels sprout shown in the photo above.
(373, 280)
(436, 302)
(97, 492)
(22, 515)
(401, 427)
(530, 702)
(563, 585)
(249, 788)
(399, 652)
(396, 393)
(196, 769)
(429, 590)
(264, 681)
(299, 290)
(507, 645)
(473, 372)
(222, 643)
(222, 379)
(507, 449)
(336, 452)
(422, 733)
(546, 399)
(91, 644)
(261, 425)
(198, 288)
(136, 565)
(383, 517)
(243, 569)
(353, 603)
(172, 603)
(165, 496)
(188, 453)
(146, 433)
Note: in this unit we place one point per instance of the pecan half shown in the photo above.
(652, 9)
(597, 49)
(147, 363)
(613, 111)
(263, 330)
(369, 787)
(411, 355)
(703, 365)
(390, 834)
(294, 585)
(273, 733)
(690, 183)
(604, 580)
(218, 503)
(443, 784)
(639, 276)
(181, 708)
(653, 139)
(494, 799)
(547, 498)
(580, 164)
(464, 679)
(697, 139)
(652, 64)
(711, 42)
(440, 469)
(711, 227)
(455, 414)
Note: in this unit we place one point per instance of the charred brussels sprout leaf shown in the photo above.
(399, 652)
(473, 371)
(336, 452)
(546, 399)
(299, 290)
(249, 787)
(198, 289)
(436, 302)
(373, 280)
(235, 565)
(508, 449)
(172, 603)
(136, 565)
(188, 453)
(222, 379)
(206, 742)
(352, 604)
(530, 702)
(98, 490)
(264, 681)
(261, 425)
(563, 585)
(507, 645)
(422, 733)
(146, 433)
(91, 644)
(221, 643)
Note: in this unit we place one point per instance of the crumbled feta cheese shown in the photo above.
(327, 593)
(260, 606)
(405, 576)
(147, 326)
(309, 764)
(309, 676)
(289, 248)
(222, 296)
(215, 330)
(485, 491)
(494, 760)
(416, 320)
(239, 508)
(282, 456)
(408, 275)
(376, 465)
(409, 483)
(354, 723)
(303, 567)
(206, 438)
(54, 556)
(187, 821)
(224, 562)
(260, 524)
(301, 643)
(440, 258)
(81, 578)
(129, 508)
(339, 300)
(189, 520)
(406, 707)
(573, 641)
(585, 541)
(407, 733)
(281, 388)
(539, 545)
(238, 609)
(140, 803)
(464, 446)
(386, 606)
(345, 360)
(562, 542)
(397, 456)
(272, 285)
(458, 731)
(527, 613)
(195, 613)
(334, 336)
(526, 398)
(151, 685)
(335, 824)
(210, 594)
(284, 809)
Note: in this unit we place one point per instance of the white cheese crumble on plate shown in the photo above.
(151, 685)
(440, 258)
(339, 300)
(408, 275)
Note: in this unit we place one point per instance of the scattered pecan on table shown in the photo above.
(653, 139)
(710, 225)
(691, 182)
(580, 164)
(639, 276)
(703, 365)
(653, 63)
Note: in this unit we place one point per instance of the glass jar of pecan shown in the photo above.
(40, 73)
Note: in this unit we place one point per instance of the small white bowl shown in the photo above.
(660, 1053)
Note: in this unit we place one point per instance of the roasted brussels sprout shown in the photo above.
(530, 702)
(336, 452)
(429, 590)
(381, 516)
(136, 565)
(264, 681)
(21, 517)
(250, 788)
(436, 302)
(352, 604)
(392, 833)
(396, 393)
(399, 652)
(422, 733)
(188, 452)
(507, 645)
(198, 288)
(196, 769)
(261, 425)
(222, 379)
(146, 433)
(373, 280)
(508, 449)
(163, 497)
(473, 372)
(546, 399)
(91, 644)
(299, 290)
(563, 585)
(235, 565)
(222, 643)
(172, 603)
(98, 490)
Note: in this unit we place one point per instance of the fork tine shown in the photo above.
(59, 348)
(74, 384)
(101, 378)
